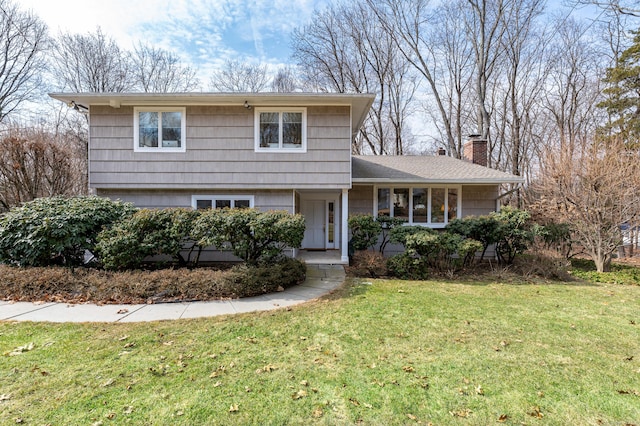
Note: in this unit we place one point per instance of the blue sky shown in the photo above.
(204, 33)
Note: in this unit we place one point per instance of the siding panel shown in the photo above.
(220, 152)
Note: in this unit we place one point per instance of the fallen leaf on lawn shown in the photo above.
(354, 402)
(169, 343)
(504, 343)
(479, 390)
(408, 369)
(125, 337)
(463, 412)
(412, 417)
(180, 413)
(300, 394)
(503, 418)
(629, 358)
(130, 345)
(535, 412)
(217, 384)
(5, 397)
(128, 409)
(110, 416)
(303, 338)
(629, 392)
(21, 349)
(233, 408)
(266, 369)
(304, 383)
(317, 413)
(367, 405)
(108, 383)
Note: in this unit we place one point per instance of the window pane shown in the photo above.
(401, 203)
(437, 205)
(292, 129)
(419, 205)
(171, 129)
(383, 202)
(452, 204)
(269, 129)
(203, 204)
(241, 204)
(221, 204)
(331, 221)
(148, 129)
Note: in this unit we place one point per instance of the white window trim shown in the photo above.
(280, 110)
(428, 224)
(214, 198)
(136, 129)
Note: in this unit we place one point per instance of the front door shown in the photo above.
(314, 216)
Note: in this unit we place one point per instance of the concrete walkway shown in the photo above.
(321, 279)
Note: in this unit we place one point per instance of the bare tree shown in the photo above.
(36, 163)
(23, 42)
(237, 76)
(91, 63)
(345, 49)
(595, 191)
(158, 70)
(285, 81)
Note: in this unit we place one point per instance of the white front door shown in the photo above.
(314, 213)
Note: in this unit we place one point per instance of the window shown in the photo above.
(201, 202)
(281, 129)
(159, 129)
(430, 206)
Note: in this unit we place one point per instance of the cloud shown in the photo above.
(204, 33)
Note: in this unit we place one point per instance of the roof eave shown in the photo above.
(479, 181)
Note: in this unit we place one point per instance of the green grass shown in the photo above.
(619, 274)
(380, 352)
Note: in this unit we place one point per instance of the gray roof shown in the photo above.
(424, 169)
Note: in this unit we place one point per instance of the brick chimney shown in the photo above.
(442, 151)
(475, 150)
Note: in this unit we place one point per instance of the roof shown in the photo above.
(424, 169)
(359, 102)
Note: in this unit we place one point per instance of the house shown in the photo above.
(272, 151)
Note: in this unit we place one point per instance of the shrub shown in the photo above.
(556, 236)
(480, 228)
(387, 226)
(146, 233)
(55, 284)
(366, 263)
(56, 230)
(254, 236)
(510, 230)
(407, 267)
(514, 233)
(365, 230)
(427, 249)
(252, 280)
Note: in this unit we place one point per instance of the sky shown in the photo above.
(204, 33)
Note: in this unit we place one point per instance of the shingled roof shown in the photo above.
(424, 169)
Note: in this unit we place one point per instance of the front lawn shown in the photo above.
(379, 352)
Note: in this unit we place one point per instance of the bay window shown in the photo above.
(430, 206)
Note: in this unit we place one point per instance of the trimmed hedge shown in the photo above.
(57, 284)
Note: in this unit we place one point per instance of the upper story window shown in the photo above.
(159, 129)
(428, 206)
(281, 129)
